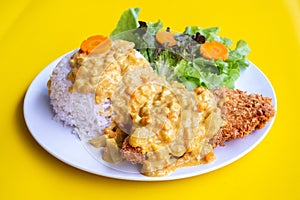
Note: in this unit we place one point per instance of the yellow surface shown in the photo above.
(33, 33)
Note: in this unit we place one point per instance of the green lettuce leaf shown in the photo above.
(153, 28)
(238, 55)
(128, 21)
(165, 65)
(241, 50)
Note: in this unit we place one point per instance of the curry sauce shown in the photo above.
(169, 124)
(165, 120)
(99, 73)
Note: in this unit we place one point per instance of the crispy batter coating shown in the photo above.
(242, 112)
(132, 154)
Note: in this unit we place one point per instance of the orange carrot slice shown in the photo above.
(95, 44)
(166, 37)
(210, 157)
(214, 50)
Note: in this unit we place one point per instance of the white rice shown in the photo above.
(76, 109)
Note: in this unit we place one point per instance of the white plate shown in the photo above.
(61, 143)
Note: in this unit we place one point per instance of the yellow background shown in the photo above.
(33, 33)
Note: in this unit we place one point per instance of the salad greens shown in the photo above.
(183, 62)
(127, 21)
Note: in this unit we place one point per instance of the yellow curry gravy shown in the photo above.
(170, 124)
(99, 73)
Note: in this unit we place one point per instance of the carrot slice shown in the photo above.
(166, 37)
(210, 157)
(214, 50)
(95, 44)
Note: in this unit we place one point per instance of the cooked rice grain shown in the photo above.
(75, 109)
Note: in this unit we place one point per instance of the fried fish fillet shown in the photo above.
(243, 114)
